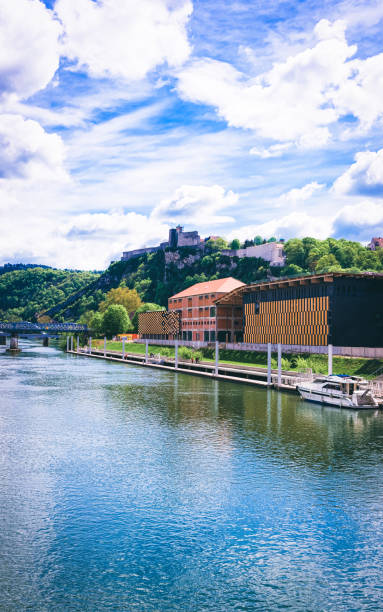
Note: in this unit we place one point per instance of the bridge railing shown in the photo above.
(25, 326)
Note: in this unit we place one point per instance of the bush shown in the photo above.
(185, 352)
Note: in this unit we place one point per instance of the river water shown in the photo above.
(124, 488)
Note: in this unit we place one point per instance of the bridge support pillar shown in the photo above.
(14, 344)
(45, 341)
(3, 340)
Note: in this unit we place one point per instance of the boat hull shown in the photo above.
(340, 402)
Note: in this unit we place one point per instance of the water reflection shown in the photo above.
(126, 489)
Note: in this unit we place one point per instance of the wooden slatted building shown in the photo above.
(335, 308)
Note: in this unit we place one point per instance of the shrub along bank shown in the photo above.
(368, 368)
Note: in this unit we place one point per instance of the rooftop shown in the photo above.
(221, 285)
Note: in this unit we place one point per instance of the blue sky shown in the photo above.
(119, 119)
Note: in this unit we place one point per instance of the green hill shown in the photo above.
(26, 290)
(159, 275)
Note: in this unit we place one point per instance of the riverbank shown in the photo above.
(367, 368)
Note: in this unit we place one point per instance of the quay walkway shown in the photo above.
(243, 374)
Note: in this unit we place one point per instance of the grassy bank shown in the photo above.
(318, 363)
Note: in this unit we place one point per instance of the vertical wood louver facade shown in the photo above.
(342, 309)
(294, 321)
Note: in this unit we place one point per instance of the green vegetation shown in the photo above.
(368, 368)
(115, 320)
(155, 279)
(27, 291)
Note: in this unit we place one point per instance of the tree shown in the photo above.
(272, 239)
(248, 243)
(116, 320)
(235, 244)
(295, 252)
(328, 263)
(123, 296)
(87, 317)
(96, 324)
(258, 240)
(217, 244)
(148, 307)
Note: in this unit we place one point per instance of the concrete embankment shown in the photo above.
(234, 373)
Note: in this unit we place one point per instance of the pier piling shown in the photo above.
(279, 365)
(330, 352)
(216, 358)
(269, 364)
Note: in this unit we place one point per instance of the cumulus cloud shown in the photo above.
(359, 221)
(298, 100)
(27, 151)
(364, 177)
(111, 38)
(196, 204)
(29, 47)
(299, 195)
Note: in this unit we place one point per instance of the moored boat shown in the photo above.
(339, 390)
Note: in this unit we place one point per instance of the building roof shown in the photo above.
(221, 285)
(235, 296)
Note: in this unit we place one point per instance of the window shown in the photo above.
(212, 311)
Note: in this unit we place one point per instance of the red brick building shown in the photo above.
(201, 320)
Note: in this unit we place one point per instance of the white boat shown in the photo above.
(339, 390)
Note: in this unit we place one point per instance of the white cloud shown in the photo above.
(365, 176)
(276, 150)
(359, 221)
(27, 151)
(299, 195)
(114, 38)
(197, 204)
(29, 48)
(299, 99)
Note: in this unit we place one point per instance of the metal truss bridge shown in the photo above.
(25, 327)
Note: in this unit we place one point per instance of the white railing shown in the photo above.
(345, 351)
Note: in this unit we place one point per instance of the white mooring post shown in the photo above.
(279, 365)
(71, 343)
(67, 343)
(269, 363)
(90, 344)
(123, 348)
(104, 346)
(78, 344)
(330, 359)
(146, 350)
(216, 358)
(176, 355)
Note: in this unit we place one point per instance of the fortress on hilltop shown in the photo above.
(270, 251)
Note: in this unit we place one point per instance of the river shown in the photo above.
(124, 488)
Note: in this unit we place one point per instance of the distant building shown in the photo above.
(336, 308)
(270, 251)
(376, 243)
(200, 319)
(177, 238)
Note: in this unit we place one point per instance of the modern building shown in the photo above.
(376, 243)
(335, 308)
(270, 251)
(201, 320)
